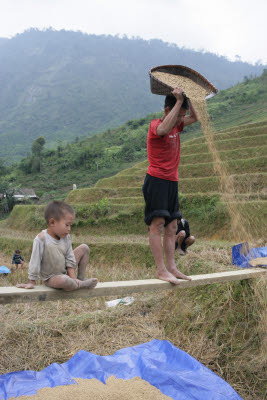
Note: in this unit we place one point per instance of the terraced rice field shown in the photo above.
(209, 323)
(242, 151)
(114, 206)
(109, 216)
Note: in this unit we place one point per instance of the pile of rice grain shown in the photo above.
(191, 89)
(114, 389)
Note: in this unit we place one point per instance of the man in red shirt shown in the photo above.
(160, 187)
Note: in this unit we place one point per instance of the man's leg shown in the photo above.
(169, 249)
(179, 239)
(155, 230)
(81, 254)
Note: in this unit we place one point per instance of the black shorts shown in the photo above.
(161, 197)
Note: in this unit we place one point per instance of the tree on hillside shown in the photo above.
(25, 164)
(38, 145)
(7, 200)
(37, 148)
(2, 168)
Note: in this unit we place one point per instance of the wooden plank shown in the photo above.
(121, 288)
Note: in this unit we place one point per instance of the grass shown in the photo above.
(252, 125)
(238, 114)
(119, 181)
(90, 195)
(234, 166)
(237, 132)
(226, 144)
(237, 166)
(244, 183)
(226, 155)
(220, 325)
(126, 249)
(196, 169)
(120, 213)
(207, 214)
(249, 185)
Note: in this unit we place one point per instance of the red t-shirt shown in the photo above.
(163, 152)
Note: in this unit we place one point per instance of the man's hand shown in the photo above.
(178, 94)
(28, 285)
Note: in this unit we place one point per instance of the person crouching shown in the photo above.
(183, 239)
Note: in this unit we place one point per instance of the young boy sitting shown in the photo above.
(17, 259)
(183, 238)
(53, 259)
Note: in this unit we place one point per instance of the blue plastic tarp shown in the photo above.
(174, 372)
(242, 255)
(4, 270)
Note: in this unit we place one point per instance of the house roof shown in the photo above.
(25, 192)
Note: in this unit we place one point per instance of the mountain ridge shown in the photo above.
(236, 113)
(64, 84)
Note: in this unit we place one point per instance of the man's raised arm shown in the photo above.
(170, 119)
(192, 117)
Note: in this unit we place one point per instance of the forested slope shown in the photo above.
(63, 84)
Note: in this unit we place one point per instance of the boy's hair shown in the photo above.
(170, 102)
(57, 210)
(17, 251)
(179, 215)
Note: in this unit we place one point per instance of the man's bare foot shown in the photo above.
(25, 285)
(178, 274)
(89, 283)
(167, 276)
(180, 251)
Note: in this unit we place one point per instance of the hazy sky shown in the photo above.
(225, 27)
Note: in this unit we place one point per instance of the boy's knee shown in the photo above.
(190, 240)
(85, 248)
(181, 234)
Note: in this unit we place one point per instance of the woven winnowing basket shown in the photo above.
(159, 87)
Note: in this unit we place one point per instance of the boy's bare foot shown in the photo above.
(25, 285)
(167, 276)
(180, 251)
(178, 274)
(89, 283)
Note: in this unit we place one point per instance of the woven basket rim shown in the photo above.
(213, 88)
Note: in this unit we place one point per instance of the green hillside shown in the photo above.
(115, 205)
(199, 186)
(85, 161)
(63, 84)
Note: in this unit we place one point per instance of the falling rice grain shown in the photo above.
(239, 226)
